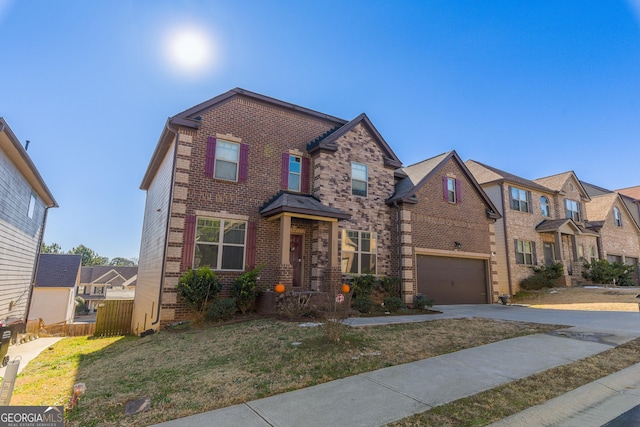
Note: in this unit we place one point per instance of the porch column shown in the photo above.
(333, 245)
(285, 272)
(333, 274)
(558, 243)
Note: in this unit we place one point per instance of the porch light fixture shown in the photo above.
(457, 245)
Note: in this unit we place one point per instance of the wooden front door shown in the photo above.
(549, 253)
(295, 258)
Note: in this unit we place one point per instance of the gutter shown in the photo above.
(166, 234)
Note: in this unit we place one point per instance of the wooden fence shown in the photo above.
(113, 318)
(62, 329)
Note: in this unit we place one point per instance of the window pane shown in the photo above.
(234, 232)
(232, 258)
(227, 151)
(349, 262)
(206, 256)
(294, 182)
(359, 188)
(368, 264)
(358, 172)
(208, 230)
(226, 170)
(294, 164)
(365, 241)
(349, 240)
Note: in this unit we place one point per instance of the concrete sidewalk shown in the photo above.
(28, 351)
(390, 394)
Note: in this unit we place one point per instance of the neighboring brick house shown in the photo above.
(631, 198)
(535, 228)
(619, 233)
(244, 180)
(446, 240)
(55, 288)
(24, 203)
(106, 282)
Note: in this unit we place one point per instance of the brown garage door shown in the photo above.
(452, 280)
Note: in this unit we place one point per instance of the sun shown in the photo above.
(190, 50)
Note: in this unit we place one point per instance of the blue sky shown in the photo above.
(531, 87)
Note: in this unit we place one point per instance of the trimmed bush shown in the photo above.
(605, 272)
(543, 276)
(393, 304)
(422, 303)
(363, 285)
(245, 289)
(363, 304)
(391, 285)
(221, 310)
(198, 288)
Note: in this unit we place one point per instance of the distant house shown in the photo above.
(24, 202)
(106, 282)
(55, 287)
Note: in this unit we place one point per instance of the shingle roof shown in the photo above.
(600, 206)
(594, 190)
(301, 204)
(415, 174)
(555, 224)
(633, 192)
(104, 273)
(57, 270)
(485, 174)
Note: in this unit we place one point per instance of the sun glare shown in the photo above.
(190, 50)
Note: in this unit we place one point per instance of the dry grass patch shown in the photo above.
(498, 403)
(195, 371)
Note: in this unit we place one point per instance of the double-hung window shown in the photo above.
(519, 199)
(451, 190)
(617, 218)
(295, 169)
(32, 206)
(359, 179)
(524, 252)
(572, 209)
(227, 160)
(359, 252)
(220, 244)
(544, 207)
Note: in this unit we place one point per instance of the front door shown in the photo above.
(549, 255)
(295, 258)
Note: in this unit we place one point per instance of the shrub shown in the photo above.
(543, 276)
(363, 285)
(198, 288)
(294, 305)
(80, 305)
(393, 304)
(602, 271)
(391, 285)
(222, 309)
(363, 304)
(422, 303)
(245, 289)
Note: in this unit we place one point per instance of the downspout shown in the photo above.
(35, 266)
(168, 226)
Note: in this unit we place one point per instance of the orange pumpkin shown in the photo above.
(279, 288)
(345, 288)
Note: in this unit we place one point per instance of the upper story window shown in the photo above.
(359, 179)
(98, 290)
(524, 252)
(617, 218)
(219, 244)
(572, 209)
(519, 199)
(32, 206)
(544, 206)
(295, 171)
(359, 252)
(227, 159)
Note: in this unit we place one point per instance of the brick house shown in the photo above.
(631, 198)
(244, 180)
(542, 223)
(446, 239)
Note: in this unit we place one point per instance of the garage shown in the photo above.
(450, 280)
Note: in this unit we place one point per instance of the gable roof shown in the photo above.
(418, 174)
(58, 270)
(600, 206)
(565, 225)
(486, 174)
(11, 145)
(104, 274)
(633, 192)
(557, 181)
(328, 142)
(304, 204)
(191, 118)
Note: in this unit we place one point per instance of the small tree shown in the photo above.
(603, 271)
(198, 288)
(245, 289)
(80, 305)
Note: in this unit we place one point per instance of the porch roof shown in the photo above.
(300, 204)
(564, 226)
